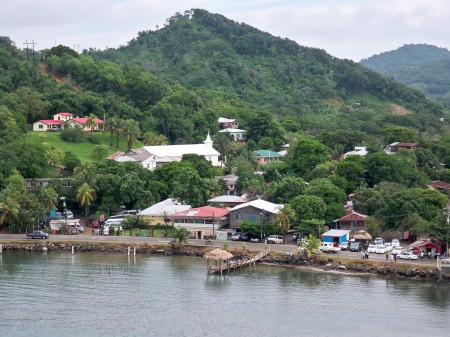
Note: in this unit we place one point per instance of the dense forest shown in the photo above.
(169, 86)
(421, 66)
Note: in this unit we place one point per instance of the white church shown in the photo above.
(153, 156)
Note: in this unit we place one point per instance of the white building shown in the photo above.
(153, 156)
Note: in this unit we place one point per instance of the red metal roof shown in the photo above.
(354, 216)
(114, 155)
(202, 212)
(82, 120)
(51, 121)
(440, 184)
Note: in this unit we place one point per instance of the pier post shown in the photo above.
(73, 250)
(134, 251)
(1, 248)
(129, 248)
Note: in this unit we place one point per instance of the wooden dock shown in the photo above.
(239, 264)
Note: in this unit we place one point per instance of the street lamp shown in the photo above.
(65, 211)
(261, 215)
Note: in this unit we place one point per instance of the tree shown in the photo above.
(204, 167)
(327, 191)
(393, 133)
(352, 169)
(151, 138)
(132, 132)
(100, 151)
(251, 227)
(70, 161)
(91, 122)
(191, 189)
(265, 126)
(180, 236)
(9, 211)
(48, 197)
(284, 217)
(305, 153)
(85, 194)
(312, 244)
(308, 207)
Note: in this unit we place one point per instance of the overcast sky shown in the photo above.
(353, 29)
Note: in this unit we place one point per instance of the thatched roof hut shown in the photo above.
(218, 255)
(362, 236)
(221, 260)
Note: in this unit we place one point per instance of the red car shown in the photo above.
(95, 224)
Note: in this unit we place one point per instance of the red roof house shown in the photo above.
(201, 221)
(352, 220)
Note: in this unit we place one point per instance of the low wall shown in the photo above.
(388, 269)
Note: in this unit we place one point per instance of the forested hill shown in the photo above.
(201, 49)
(420, 66)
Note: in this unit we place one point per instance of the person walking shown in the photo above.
(421, 255)
(367, 254)
(363, 255)
(387, 256)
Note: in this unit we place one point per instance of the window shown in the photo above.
(252, 217)
(238, 216)
(41, 126)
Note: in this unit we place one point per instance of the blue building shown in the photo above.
(336, 236)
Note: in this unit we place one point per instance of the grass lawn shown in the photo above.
(82, 150)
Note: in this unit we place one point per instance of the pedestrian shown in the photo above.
(363, 255)
(367, 254)
(421, 254)
(387, 256)
(395, 257)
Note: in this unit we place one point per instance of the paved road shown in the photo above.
(4, 238)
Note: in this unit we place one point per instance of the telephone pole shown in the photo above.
(28, 56)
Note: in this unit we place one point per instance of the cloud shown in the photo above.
(345, 28)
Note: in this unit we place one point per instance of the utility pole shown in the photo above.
(76, 47)
(28, 56)
(448, 226)
(33, 43)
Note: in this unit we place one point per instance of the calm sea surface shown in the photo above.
(58, 294)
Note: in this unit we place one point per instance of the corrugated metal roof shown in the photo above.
(166, 207)
(336, 232)
(260, 204)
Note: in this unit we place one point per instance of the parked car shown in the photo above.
(255, 239)
(344, 245)
(276, 239)
(236, 237)
(407, 256)
(372, 248)
(388, 246)
(395, 243)
(37, 235)
(378, 242)
(398, 250)
(69, 214)
(244, 237)
(329, 247)
(446, 261)
(356, 247)
(381, 249)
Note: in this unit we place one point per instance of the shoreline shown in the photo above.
(317, 263)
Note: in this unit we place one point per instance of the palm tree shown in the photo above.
(284, 217)
(10, 211)
(110, 126)
(85, 174)
(181, 235)
(132, 132)
(151, 138)
(312, 244)
(91, 122)
(85, 194)
(119, 128)
(48, 197)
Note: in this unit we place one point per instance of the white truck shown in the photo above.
(328, 247)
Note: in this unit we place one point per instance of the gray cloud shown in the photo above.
(345, 28)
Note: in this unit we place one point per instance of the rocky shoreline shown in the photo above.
(324, 263)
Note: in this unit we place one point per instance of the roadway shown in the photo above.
(284, 248)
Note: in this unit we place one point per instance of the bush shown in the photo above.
(72, 135)
(92, 139)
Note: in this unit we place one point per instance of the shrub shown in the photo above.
(72, 135)
(92, 139)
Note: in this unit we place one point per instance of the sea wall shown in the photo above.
(388, 269)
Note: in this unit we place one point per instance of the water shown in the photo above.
(57, 294)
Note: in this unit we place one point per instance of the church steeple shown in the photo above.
(208, 141)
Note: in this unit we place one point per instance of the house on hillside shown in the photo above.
(227, 123)
(33, 184)
(238, 135)
(227, 200)
(439, 185)
(259, 211)
(230, 180)
(159, 212)
(394, 147)
(65, 119)
(202, 221)
(266, 156)
(352, 220)
(358, 151)
(151, 157)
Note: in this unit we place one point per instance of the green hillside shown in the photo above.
(423, 67)
(204, 50)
